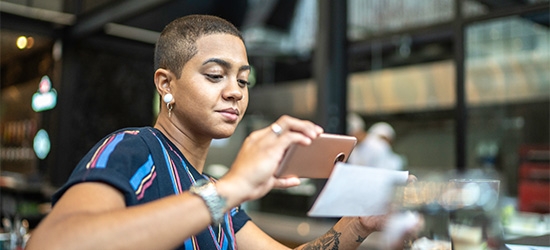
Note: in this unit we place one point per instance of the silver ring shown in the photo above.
(276, 129)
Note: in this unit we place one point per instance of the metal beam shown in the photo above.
(438, 33)
(24, 24)
(87, 25)
(37, 13)
(496, 4)
(509, 11)
(461, 111)
(330, 66)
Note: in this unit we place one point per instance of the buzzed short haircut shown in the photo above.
(177, 42)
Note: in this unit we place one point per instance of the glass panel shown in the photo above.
(508, 92)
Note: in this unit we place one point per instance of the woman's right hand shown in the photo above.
(252, 174)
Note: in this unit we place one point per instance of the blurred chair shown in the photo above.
(534, 179)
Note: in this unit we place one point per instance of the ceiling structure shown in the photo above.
(142, 20)
(80, 19)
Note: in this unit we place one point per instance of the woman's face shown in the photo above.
(211, 96)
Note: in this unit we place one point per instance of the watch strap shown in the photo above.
(215, 203)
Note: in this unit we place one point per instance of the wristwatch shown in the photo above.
(215, 203)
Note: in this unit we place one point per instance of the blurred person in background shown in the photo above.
(374, 146)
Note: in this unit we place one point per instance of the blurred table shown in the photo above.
(542, 240)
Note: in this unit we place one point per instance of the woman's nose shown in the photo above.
(233, 91)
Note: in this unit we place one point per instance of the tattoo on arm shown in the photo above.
(360, 238)
(331, 240)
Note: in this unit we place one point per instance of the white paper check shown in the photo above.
(355, 190)
(525, 247)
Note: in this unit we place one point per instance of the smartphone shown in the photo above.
(316, 160)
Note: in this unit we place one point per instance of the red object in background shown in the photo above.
(534, 179)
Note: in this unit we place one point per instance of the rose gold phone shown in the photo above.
(317, 159)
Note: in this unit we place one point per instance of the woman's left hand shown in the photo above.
(378, 223)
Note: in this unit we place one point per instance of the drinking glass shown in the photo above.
(473, 213)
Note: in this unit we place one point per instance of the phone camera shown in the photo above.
(339, 158)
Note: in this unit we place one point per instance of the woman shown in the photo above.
(121, 195)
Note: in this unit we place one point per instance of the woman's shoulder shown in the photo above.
(132, 130)
(126, 141)
(129, 133)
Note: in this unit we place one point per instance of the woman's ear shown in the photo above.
(163, 80)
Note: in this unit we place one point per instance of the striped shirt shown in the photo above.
(145, 166)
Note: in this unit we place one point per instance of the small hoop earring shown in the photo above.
(169, 106)
(168, 98)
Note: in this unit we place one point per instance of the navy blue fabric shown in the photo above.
(123, 160)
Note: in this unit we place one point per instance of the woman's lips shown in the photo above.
(230, 114)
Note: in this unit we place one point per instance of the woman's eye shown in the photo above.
(243, 82)
(214, 77)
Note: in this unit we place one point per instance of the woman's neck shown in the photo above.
(195, 151)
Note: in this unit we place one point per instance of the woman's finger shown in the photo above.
(290, 124)
(286, 182)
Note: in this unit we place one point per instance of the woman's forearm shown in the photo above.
(347, 233)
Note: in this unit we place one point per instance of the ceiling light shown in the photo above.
(21, 42)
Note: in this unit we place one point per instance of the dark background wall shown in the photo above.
(105, 86)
